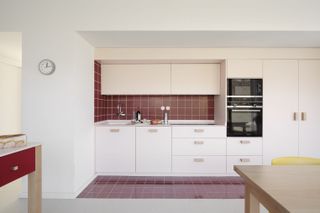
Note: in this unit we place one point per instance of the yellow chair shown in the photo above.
(295, 161)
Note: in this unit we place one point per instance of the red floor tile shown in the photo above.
(164, 187)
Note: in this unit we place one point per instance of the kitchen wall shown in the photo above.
(10, 121)
(57, 110)
(183, 107)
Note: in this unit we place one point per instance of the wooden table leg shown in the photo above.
(34, 185)
(251, 202)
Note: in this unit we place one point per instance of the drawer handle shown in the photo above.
(198, 142)
(15, 168)
(152, 130)
(244, 142)
(198, 160)
(244, 160)
(114, 130)
(198, 130)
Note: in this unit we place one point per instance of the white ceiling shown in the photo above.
(11, 46)
(201, 39)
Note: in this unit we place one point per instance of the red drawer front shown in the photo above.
(16, 165)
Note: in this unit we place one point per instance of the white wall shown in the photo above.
(57, 110)
(10, 121)
(10, 103)
(83, 97)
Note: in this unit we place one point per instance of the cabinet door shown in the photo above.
(244, 69)
(195, 79)
(153, 149)
(309, 102)
(128, 79)
(280, 102)
(115, 149)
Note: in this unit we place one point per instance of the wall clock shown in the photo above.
(47, 67)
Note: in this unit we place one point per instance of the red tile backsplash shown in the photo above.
(183, 107)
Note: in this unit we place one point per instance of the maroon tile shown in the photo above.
(164, 187)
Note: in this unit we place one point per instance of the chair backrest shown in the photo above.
(295, 161)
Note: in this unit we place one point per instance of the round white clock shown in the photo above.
(47, 67)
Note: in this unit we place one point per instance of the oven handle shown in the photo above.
(246, 110)
(245, 106)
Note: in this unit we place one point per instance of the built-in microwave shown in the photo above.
(244, 87)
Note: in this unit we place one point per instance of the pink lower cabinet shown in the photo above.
(153, 149)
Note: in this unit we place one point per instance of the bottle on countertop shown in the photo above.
(138, 116)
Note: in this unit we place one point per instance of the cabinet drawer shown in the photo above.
(242, 160)
(244, 146)
(16, 165)
(199, 164)
(198, 131)
(198, 146)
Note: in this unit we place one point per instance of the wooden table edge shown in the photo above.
(262, 196)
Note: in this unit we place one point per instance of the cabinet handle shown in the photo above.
(114, 130)
(198, 130)
(152, 130)
(294, 116)
(244, 142)
(244, 160)
(198, 160)
(15, 168)
(303, 116)
(198, 142)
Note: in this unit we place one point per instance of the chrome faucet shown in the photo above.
(120, 113)
(165, 119)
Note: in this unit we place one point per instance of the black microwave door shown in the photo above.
(245, 87)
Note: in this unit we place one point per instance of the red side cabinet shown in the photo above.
(16, 165)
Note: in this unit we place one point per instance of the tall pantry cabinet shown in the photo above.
(291, 116)
(309, 106)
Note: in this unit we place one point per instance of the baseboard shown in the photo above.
(51, 195)
(169, 174)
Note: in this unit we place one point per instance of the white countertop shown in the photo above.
(171, 123)
(8, 151)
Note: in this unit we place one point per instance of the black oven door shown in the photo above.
(245, 87)
(244, 122)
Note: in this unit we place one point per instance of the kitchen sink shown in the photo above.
(117, 123)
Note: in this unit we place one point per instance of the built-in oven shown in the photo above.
(244, 121)
(244, 108)
(244, 87)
